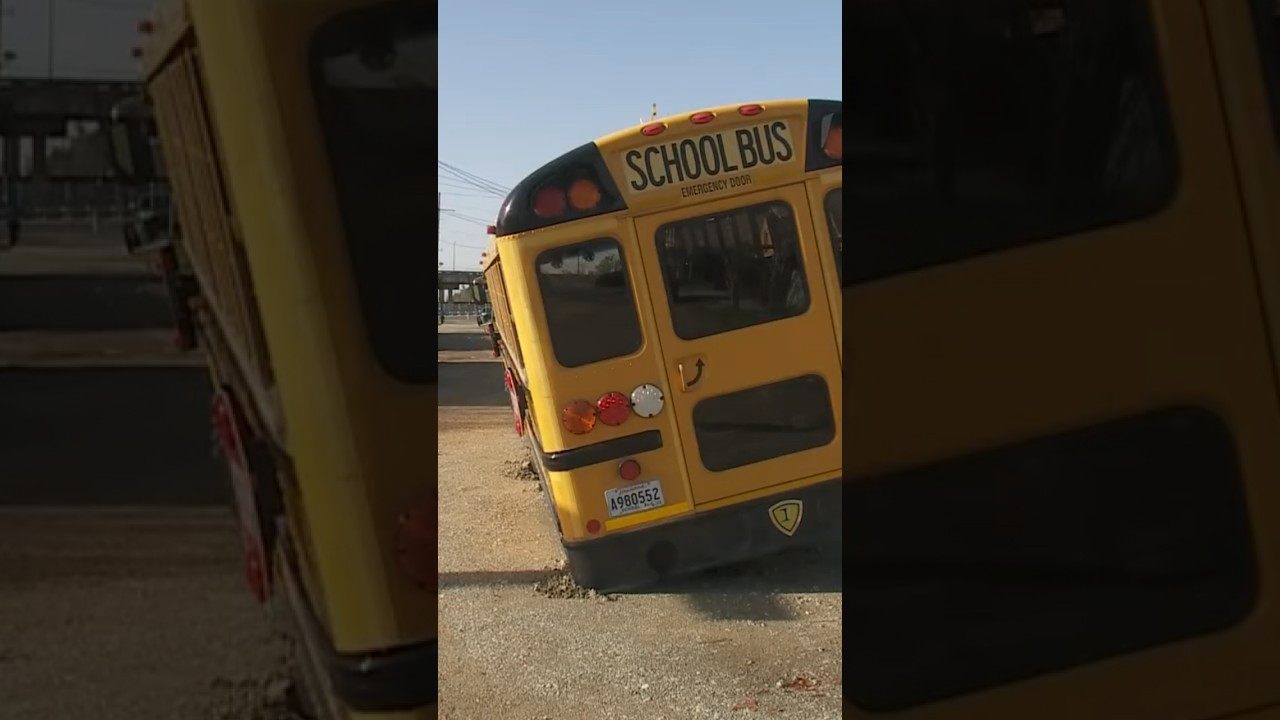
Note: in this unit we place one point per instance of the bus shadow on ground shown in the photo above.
(753, 589)
(492, 578)
(107, 436)
(472, 384)
(750, 590)
(78, 303)
(462, 341)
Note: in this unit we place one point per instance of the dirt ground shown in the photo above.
(121, 581)
(761, 640)
(123, 614)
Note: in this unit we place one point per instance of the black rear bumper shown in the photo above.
(631, 560)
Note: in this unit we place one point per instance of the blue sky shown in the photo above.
(522, 82)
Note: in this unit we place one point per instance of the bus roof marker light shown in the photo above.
(578, 417)
(702, 118)
(750, 110)
(647, 400)
(613, 408)
(653, 129)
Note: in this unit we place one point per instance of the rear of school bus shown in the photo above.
(669, 301)
(299, 136)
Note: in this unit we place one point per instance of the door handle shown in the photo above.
(691, 371)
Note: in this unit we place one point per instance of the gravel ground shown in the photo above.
(519, 641)
(132, 615)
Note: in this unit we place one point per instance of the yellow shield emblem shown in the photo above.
(786, 516)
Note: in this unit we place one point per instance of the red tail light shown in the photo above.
(653, 129)
(613, 408)
(702, 118)
(749, 110)
(549, 202)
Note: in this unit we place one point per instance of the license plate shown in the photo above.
(634, 498)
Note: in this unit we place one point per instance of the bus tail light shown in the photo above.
(417, 545)
(549, 202)
(613, 408)
(702, 118)
(833, 136)
(750, 110)
(629, 469)
(833, 145)
(593, 526)
(584, 195)
(647, 400)
(578, 417)
(653, 129)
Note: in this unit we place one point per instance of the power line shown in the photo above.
(468, 219)
(471, 180)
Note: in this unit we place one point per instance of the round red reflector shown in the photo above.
(593, 526)
(629, 470)
(749, 110)
(702, 118)
(613, 408)
(548, 202)
(578, 417)
(584, 194)
(653, 129)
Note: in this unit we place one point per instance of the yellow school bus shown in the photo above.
(298, 136)
(1063, 484)
(668, 304)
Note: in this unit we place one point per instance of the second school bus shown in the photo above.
(668, 302)
(298, 136)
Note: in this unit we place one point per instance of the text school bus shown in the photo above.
(668, 302)
(298, 138)
(1064, 483)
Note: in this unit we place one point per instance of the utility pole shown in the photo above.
(439, 239)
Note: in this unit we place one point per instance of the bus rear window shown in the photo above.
(1054, 553)
(591, 312)
(985, 125)
(374, 73)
